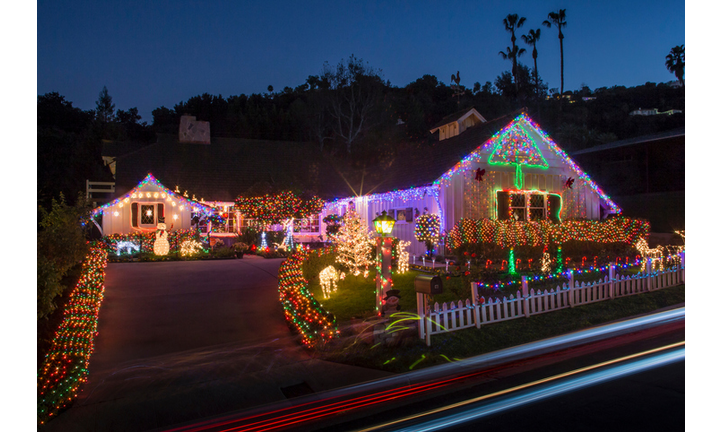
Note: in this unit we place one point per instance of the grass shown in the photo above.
(354, 298)
(412, 353)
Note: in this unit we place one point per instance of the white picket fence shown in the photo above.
(456, 316)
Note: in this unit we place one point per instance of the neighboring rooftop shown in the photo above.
(671, 134)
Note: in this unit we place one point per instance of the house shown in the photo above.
(503, 169)
(145, 206)
(506, 168)
(456, 123)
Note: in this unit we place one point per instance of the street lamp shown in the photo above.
(383, 224)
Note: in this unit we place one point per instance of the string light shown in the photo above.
(301, 309)
(190, 247)
(402, 256)
(508, 233)
(327, 279)
(137, 193)
(353, 243)
(520, 123)
(65, 367)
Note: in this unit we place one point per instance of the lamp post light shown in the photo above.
(383, 225)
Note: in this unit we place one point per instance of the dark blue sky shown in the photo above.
(157, 53)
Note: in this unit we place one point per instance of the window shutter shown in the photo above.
(161, 215)
(554, 205)
(134, 215)
(503, 205)
(409, 214)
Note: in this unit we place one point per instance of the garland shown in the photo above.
(66, 365)
(537, 233)
(303, 312)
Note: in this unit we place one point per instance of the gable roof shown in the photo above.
(227, 167)
(457, 117)
(526, 122)
(165, 193)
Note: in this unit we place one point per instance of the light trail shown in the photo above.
(416, 382)
(550, 390)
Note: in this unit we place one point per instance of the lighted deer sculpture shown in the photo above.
(655, 254)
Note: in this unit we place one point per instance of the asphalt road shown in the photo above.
(178, 341)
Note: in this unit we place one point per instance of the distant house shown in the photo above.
(506, 168)
(456, 123)
(653, 111)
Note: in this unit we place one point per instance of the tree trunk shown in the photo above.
(562, 75)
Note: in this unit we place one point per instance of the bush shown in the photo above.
(61, 246)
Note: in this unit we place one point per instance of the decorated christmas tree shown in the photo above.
(354, 244)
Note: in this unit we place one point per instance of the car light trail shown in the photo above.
(280, 420)
(428, 379)
(659, 359)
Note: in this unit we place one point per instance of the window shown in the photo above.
(403, 215)
(307, 225)
(528, 206)
(148, 215)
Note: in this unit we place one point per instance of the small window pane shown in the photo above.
(518, 214)
(537, 201)
(401, 215)
(518, 200)
(147, 215)
(537, 214)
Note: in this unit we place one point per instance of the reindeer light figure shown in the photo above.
(655, 254)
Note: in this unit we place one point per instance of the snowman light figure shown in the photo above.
(161, 246)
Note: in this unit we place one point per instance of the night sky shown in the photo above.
(158, 53)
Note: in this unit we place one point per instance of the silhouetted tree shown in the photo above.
(675, 62)
(558, 20)
(512, 22)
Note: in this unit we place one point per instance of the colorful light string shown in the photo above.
(65, 366)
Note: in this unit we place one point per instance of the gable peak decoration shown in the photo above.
(515, 147)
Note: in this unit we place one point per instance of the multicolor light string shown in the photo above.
(65, 366)
(302, 311)
(539, 233)
(163, 194)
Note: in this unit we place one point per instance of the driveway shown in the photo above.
(179, 341)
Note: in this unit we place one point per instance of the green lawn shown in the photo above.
(354, 297)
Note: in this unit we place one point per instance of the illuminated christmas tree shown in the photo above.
(427, 230)
(354, 244)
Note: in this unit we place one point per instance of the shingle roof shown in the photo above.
(679, 132)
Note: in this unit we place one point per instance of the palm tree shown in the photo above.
(512, 22)
(675, 62)
(531, 38)
(558, 19)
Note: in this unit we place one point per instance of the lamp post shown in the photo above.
(383, 225)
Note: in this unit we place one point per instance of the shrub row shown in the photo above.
(66, 365)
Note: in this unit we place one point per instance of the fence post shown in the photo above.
(682, 265)
(571, 287)
(525, 297)
(648, 273)
(475, 303)
(421, 312)
(611, 277)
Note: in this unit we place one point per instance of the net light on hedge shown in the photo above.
(383, 224)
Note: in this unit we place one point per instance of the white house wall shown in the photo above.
(368, 208)
(117, 218)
